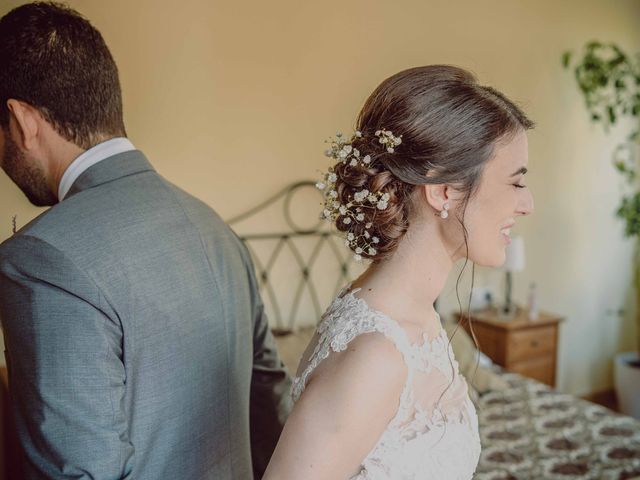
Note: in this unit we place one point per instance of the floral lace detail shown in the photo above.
(417, 441)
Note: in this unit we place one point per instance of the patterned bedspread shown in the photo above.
(530, 431)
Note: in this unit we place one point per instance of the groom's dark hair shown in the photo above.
(52, 58)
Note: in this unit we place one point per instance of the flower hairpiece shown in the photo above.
(353, 212)
(387, 138)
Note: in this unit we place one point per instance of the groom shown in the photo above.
(137, 345)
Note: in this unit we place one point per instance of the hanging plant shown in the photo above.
(609, 81)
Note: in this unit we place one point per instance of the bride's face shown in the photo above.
(501, 198)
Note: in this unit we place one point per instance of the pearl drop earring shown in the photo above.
(445, 211)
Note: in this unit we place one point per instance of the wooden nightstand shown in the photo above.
(520, 345)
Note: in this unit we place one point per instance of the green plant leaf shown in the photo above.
(629, 211)
(609, 81)
(593, 44)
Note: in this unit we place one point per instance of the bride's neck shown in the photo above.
(408, 283)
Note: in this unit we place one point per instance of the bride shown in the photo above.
(434, 173)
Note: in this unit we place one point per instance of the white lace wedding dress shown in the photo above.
(434, 435)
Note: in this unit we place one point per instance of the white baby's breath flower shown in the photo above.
(361, 195)
(372, 251)
(387, 138)
(358, 250)
(342, 151)
(357, 258)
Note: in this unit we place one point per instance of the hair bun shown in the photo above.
(364, 200)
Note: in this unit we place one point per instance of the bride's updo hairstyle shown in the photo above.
(449, 126)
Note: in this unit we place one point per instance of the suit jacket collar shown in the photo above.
(109, 169)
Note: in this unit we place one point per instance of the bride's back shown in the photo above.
(427, 408)
(436, 372)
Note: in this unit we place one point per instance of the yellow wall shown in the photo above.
(232, 100)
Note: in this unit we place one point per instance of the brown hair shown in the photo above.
(53, 59)
(449, 126)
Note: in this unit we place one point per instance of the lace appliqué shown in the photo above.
(417, 440)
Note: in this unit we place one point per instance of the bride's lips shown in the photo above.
(506, 233)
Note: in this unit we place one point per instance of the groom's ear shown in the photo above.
(24, 123)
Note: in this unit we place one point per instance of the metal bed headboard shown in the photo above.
(310, 248)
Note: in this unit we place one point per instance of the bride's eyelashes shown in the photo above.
(517, 185)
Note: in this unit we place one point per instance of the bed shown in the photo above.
(528, 430)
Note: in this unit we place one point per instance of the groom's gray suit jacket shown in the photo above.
(137, 346)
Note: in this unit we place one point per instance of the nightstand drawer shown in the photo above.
(542, 369)
(527, 347)
(531, 343)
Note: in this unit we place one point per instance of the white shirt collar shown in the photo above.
(89, 158)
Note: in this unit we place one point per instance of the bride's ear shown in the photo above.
(436, 196)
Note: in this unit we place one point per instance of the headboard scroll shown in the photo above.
(299, 268)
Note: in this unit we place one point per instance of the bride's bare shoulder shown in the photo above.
(342, 412)
(368, 360)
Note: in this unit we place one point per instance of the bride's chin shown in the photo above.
(493, 260)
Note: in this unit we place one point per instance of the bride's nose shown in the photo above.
(525, 203)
